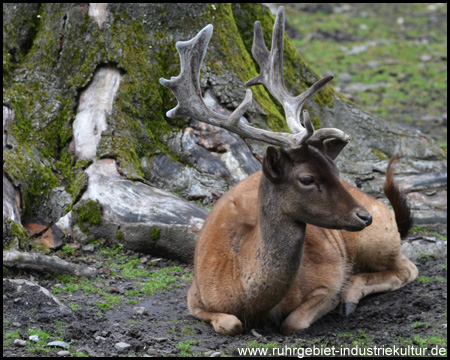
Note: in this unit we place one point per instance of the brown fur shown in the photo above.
(239, 278)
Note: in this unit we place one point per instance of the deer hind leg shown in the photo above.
(363, 284)
(318, 303)
(224, 324)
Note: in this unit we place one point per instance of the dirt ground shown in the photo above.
(414, 316)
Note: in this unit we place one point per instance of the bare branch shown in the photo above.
(40, 262)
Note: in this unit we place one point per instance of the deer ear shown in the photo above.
(273, 164)
(333, 146)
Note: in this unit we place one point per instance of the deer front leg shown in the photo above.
(318, 303)
(363, 284)
(224, 324)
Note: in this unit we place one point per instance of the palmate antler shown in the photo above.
(186, 88)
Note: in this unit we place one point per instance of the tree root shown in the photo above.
(44, 263)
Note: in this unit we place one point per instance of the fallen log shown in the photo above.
(44, 263)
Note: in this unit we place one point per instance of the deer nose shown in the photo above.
(367, 218)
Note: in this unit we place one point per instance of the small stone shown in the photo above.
(62, 344)
(425, 57)
(161, 339)
(63, 353)
(88, 248)
(139, 310)
(152, 352)
(255, 333)
(121, 346)
(20, 342)
(215, 354)
(345, 77)
(34, 338)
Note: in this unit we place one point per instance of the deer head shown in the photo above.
(301, 176)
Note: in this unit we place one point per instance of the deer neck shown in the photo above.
(277, 252)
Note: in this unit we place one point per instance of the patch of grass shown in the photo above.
(74, 307)
(39, 346)
(9, 337)
(163, 279)
(185, 347)
(257, 345)
(410, 87)
(132, 268)
(361, 338)
(67, 250)
(188, 330)
(424, 279)
(420, 324)
(111, 251)
(426, 257)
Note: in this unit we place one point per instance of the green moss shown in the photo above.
(19, 234)
(316, 122)
(380, 154)
(156, 234)
(119, 235)
(39, 247)
(88, 213)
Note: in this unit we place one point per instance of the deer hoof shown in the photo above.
(228, 325)
(345, 309)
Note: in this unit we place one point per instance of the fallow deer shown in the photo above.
(256, 258)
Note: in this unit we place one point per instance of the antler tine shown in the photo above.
(271, 75)
(186, 88)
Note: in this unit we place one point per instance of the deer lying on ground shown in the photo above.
(256, 259)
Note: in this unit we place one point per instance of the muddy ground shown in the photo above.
(101, 313)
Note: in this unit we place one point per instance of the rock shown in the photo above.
(425, 57)
(63, 353)
(88, 248)
(20, 342)
(34, 338)
(35, 229)
(122, 346)
(61, 344)
(44, 294)
(139, 310)
(335, 35)
(414, 249)
(312, 7)
(423, 181)
(360, 87)
(345, 77)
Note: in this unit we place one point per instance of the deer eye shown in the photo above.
(306, 180)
